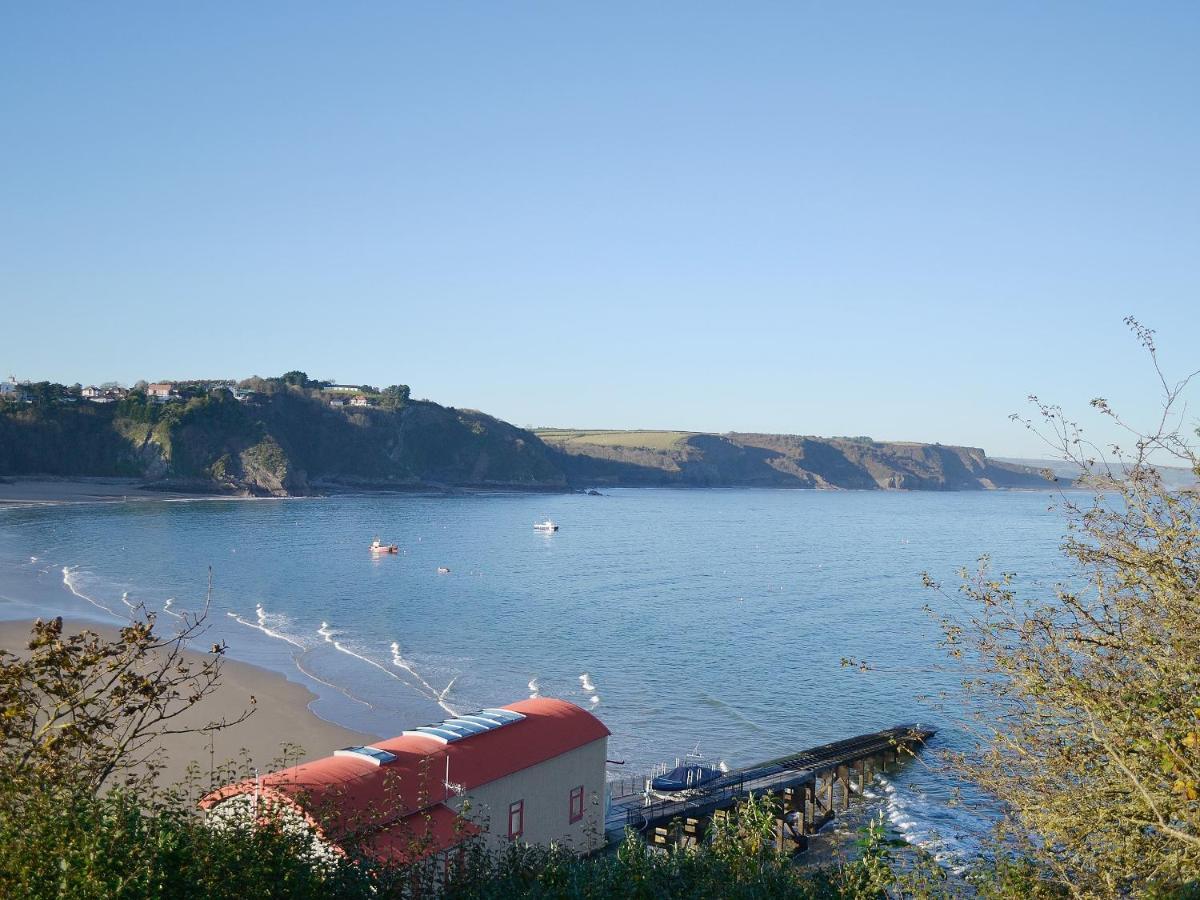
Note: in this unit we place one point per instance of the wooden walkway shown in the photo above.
(810, 787)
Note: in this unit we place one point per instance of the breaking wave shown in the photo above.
(438, 696)
(952, 835)
(71, 581)
(261, 616)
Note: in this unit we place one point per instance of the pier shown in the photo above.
(809, 788)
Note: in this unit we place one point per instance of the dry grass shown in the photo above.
(648, 440)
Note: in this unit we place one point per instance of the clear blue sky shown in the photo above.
(886, 219)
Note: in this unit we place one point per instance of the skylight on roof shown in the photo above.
(466, 726)
(373, 755)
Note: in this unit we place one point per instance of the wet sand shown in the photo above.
(20, 491)
(280, 714)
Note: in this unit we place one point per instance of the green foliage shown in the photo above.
(394, 396)
(1090, 719)
(79, 710)
(44, 393)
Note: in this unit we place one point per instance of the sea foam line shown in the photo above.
(70, 580)
(440, 696)
(422, 685)
(261, 625)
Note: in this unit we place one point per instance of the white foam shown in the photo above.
(534, 688)
(586, 681)
(71, 580)
(400, 662)
(330, 684)
(920, 820)
(261, 625)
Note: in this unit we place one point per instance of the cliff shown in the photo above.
(287, 439)
(779, 460)
(284, 441)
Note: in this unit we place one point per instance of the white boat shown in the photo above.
(548, 525)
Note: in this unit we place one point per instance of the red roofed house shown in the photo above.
(532, 771)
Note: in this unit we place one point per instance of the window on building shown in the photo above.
(516, 820)
(577, 803)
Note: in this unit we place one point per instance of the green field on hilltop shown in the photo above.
(649, 440)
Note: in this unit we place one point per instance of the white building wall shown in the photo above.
(546, 790)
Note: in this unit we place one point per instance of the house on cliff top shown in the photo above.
(532, 771)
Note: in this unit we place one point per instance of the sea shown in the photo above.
(742, 623)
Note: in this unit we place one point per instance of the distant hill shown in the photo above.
(280, 437)
(778, 460)
(1174, 477)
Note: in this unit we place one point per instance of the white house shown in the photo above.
(8, 389)
(162, 390)
(532, 771)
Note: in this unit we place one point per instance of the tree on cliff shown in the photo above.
(394, 396)
(1090, 727)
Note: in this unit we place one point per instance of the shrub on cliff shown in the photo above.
(1090, 729)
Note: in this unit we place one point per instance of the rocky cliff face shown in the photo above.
(286, 442)
(778, 460)
(289, 441)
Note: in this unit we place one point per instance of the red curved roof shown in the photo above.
(346, 795)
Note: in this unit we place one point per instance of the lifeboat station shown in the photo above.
(534, 771)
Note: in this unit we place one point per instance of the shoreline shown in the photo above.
(281, 712)
(21, 491)
(35, 491)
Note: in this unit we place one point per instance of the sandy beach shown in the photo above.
(44, 491)
(280, 716)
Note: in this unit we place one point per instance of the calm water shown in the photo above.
(716, 616)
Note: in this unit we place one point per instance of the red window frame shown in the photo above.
(516, 817)
(575, 810)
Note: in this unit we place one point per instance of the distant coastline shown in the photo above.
(290, 436)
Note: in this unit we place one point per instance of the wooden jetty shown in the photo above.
(809, 787)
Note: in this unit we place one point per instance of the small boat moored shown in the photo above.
(548, 525)
(377, 547)
(686, 777)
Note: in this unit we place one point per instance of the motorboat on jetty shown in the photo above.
(685, 777)
(377, 547)
(691, 773)
(548, 525)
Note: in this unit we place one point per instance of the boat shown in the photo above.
(685, 777)
(377, 547)
(443, 570)
(692, 773)
(547, 526)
